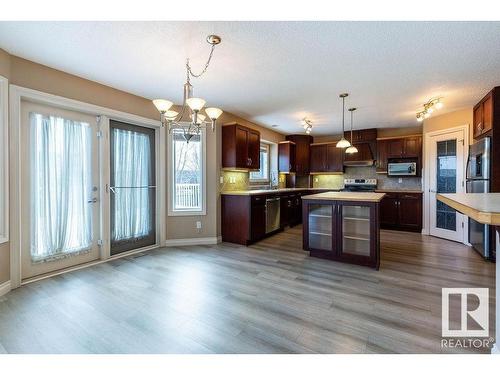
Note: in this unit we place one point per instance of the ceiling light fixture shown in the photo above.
(351, 149)
(173, 119)
(343, 143)
(307, 125)
(429, 108)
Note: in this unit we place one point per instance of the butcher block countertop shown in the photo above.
(346, 196)
(482, 207)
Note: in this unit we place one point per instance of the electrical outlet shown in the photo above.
(198, 225)
(316, 179)
(400, 180)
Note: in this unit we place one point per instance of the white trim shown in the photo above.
(4, 160)
(5, 288)
(17, 94)
(193, 241)
(170, 181)
(426, 174)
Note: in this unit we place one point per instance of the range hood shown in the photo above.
(362, 158)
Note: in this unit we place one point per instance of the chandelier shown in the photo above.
(191, 106)
(307, 125)
(429, 107)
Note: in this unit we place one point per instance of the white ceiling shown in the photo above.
(279, 72)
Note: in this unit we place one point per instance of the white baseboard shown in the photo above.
(193, 241)
(5, 288)
(495, 349)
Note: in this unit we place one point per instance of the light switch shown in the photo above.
(198, 225)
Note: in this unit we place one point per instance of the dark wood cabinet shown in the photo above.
(302, 152)
(286, 157)
(381, 163)
(483, 116)
(401, 211)
(363, 136)
(342, 230)
(326, 157)
(318, 158)
(240, 147)
(398, 148)
(258, 217)
(389, 213)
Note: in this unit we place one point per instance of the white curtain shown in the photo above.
(61, 185)
(132, 176)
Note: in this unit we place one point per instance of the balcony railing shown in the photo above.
(187, 196)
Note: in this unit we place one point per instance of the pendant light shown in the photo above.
(352, 149)
(343, 143)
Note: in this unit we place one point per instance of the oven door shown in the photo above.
(402, 169)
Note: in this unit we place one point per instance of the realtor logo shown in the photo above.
(468, 315)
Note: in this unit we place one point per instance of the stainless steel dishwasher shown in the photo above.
(272, 214)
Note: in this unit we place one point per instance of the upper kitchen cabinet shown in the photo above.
(286, 157)
(240, 147)
(302, 152)
(405, 147)
(397, 148)
(483, 115)
(381, 164)
(361, 136)
(326, 158)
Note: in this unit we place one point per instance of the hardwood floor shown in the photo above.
(268, 298)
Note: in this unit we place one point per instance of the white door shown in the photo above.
(446, 175)
(60, 190)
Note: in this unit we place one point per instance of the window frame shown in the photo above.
(258, 181)
(4, 160)
(171, 181)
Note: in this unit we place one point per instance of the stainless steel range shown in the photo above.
(360, 184)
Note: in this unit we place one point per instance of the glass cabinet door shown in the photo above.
(320, 226)
(355, 230)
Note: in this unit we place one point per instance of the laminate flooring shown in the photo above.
(270, 297)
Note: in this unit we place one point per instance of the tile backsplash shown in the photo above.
(383, 181)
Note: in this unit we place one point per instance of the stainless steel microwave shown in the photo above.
(402, 169)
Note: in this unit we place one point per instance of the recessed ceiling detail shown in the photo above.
(277, 73)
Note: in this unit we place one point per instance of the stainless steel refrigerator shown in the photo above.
(478, 181)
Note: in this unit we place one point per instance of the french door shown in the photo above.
(446, 175)
(65, 220)
(132, 187)
(60, 189)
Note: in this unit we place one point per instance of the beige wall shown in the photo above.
(29, 74)
(4, 262)
(450, 120)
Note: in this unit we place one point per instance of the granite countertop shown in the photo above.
(346, 196)
(272, 191)
(482, 207)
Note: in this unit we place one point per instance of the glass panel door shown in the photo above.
(60, 207)
(320, 226)
(446, 172)
(133, 187)
(356, 230)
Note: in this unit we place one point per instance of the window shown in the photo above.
(4, 172)
(187, 174)
(263, 174)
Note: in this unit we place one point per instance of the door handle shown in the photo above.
(93, 200)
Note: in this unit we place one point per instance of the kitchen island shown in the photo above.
(343, 226)
(485, 209)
